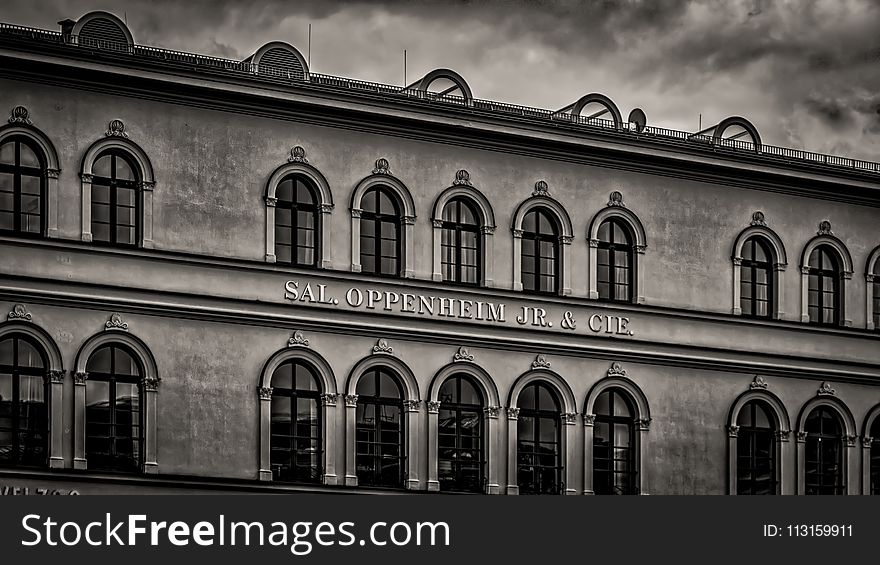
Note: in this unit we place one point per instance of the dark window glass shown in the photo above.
(379, 431)
(825, 301)
(461, 459)
(756, 279)
(114, 423)
(824, 453)
(875, 457)
(296, 222)
(116, 200)
(615, 261)
(24, 415)
(876, 284)
(296, 434)
(540, 252)
(614, 444)
(539, 441)
(22, 188)
(756, 450)
(381, 245)
(460, 243)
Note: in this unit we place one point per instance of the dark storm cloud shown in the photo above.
(807, 73)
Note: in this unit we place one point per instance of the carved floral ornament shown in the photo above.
(824, 228)
(115, 323)
(80, 378)
(298, 155)
(265, 392)
(382, 347)
(492, 411)
(329, 398)
(382, 167)
(758, 219)
(351, 400)
(20, 115)
(462, 355)
(541, 189)
(412, 405)
(462, 177)
(825, 389)
(569, 418)
(616, 370)
(19, 312)
(758, 383)
(616, 199)
(540, 362)
(433, 406)
(297, 339)
(56, 376)
(150, 383)
(116, 128)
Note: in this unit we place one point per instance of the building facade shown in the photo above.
(241, 275)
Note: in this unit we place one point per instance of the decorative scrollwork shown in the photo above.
(382, 347)
(265, 392)
(150, 383)
(541, 189)
(80, 378)
(433, 406)
(825, 389)
(297, 339)
(351, 400)
(298, 155)
(116, 128)
(825, 228)
(758, 383)
(540, 362)
(19, 312)
(616, 370)
(329, 398)
(589, 419)
(382, 167)
(492, 411)
(644, 423)
(412, 405)
(115, 323)
(616, 199)
(462, 355)
(462, 177)
(20, 115)
(512, 413)
(569, 418)
(733, 431)
(56, 376)
(758, 219)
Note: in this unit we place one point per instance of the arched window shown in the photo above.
(614, 444)
(114, 421)
(539, 441)
(296, 222)
(824, 471)
(379, 430)
(22, 187)
(756, 450)
(875, 457)
(756, 279)
(296, 434)
(461, 457)
(824, 299)
(24, 415)
(540, 252)
(875, 298)
(116, 199)
(615, 261)
(460, 243)
(380, 232)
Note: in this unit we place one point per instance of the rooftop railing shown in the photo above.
(267, 73)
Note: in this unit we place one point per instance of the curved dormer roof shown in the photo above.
(279, 59)
(102, 27)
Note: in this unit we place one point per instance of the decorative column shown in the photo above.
(147, 199)
(517, 259)
(779, 289)
(52, 198)
(494, 452)
(79, 420)
(732, 447)
(640, 273)
(437, 274)
(351, 479)
(593, 268)
(328, 400)
(801, 462)
(56, 418)
(805, 287)
(270, 228)
(411, 407)
(866, 464)
(850, 443)
(356, 240)
(512, 431)
(736, 310)
(326, 236)
(408, 223)
(869, 295)
(265, 394)
(589, 422)
(86, 211)
(488, 233)
(569, 419)
(565, 244)
(150, 386)
(433, 439)
(845, 308)
(783, 454)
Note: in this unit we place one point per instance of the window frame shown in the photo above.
(538, 238)
(632, 476)
(612, 246)
(17, 170)
(314, 208)
(841, 480)
(753, 266)
(751, 433)
(113, 186)
(379, 401)
(538, 415)
(458, 408)
(16, 372)
(377, 219)
(293, 395)
(457, 228)
(835, 275)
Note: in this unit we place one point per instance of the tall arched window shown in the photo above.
(24, 415)
(615, 261)
(114, 423)
(876, 296)
(379, 430)
(824, 297)
(296, 433)
(461, 458)
(380, 232)
(116, 200)
(539, 441)
(22, 187)
(756, 450)
(540, 252)
(756, 278)
(875, 457)
(614, 444)
(296, 222)
(824, 471)
(460, 243)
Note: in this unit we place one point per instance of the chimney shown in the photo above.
(66, 29)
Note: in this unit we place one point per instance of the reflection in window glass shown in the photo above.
(460, 442)
(539, 441)
(379, 430)
(24, 416)
(614, 441)
(296, 435)
(756, 450)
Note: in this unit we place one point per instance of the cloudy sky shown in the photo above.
(805, 72)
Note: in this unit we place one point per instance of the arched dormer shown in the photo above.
(609, 110)
(384, 178)
(872, 284)
(463, 189)
(279, 59)
(541, 200)
(117, 141)
(826, 239)
(102, 29)
(744, 127)
(778, 262)
(440, 84)
(617, 210)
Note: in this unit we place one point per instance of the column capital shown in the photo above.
(491, 411)
(412, 405)
(265, 392)
(80, 378)
(351, 400)
(56, 376)
(150, 383)
(433, 406)
(512, 413)
(329, 398)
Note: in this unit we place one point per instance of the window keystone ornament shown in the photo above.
(297, 339)
(382, 347)
(80, 378)
(433, 406)
(462, 355)
(382, 167)
(826, 390)
(541, 189)
(151, 383)
(20, 115)
(758, 383)
(329, 398)
(512, 413)
(733, 431)
(115, 323)
(462, 177)
(298, 155)
(56, 376)
(412, 405)
(116, 129)
(19, 312)
(265, 392)
(616, 199)
(351, 400)
(540, 362)
(616, 370)
(758, 219)
(825, 228)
